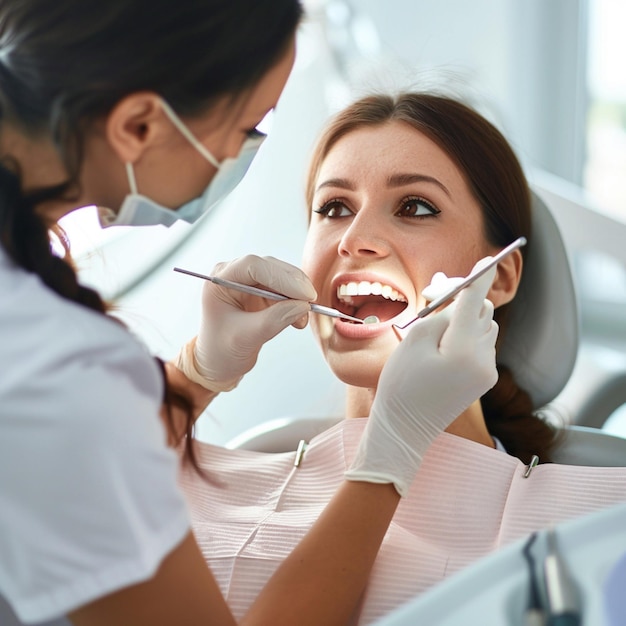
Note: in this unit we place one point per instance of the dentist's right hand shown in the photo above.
(235, 325)
(445, 363)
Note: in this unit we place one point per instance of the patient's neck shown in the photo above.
(359, 401)
(469, 425)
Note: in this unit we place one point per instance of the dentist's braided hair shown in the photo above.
(497, 181)
(65, 64)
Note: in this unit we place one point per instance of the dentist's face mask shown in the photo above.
(138, 210)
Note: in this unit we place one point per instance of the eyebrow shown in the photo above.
(342, 183)
(400, 180)
(396, 180)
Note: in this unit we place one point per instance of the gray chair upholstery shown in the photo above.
(589, 446)
(597, 386)
(281, 435)
(542, 341)
(578, 446)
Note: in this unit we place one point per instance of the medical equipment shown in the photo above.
(534, 461)
(562, 602)
(256, 291)
(534, 615)
(557, 603)
(435, 304)
(371, 319)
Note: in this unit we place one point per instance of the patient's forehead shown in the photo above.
(372, 154)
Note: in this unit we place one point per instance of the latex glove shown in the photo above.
(440, 284)
(446, 361)
(235, 325)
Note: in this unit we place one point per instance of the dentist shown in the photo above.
(148, 109)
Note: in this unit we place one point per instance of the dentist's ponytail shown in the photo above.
(25, 237)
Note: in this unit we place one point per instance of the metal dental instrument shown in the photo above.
(270, 295)
(435, 304)
(563, 606)
(534, 613)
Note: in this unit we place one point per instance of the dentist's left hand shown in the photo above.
(235, 325)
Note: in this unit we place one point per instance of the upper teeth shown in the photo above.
(365, 288)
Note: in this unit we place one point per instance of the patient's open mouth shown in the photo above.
(363, 299)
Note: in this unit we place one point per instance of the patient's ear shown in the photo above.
(507, 279)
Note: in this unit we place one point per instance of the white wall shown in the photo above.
(525, 59)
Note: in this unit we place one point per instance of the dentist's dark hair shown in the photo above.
(64, 64)
(497, 181)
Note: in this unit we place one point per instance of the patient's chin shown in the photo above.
(356, 370)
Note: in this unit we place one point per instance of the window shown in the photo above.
(605, 165)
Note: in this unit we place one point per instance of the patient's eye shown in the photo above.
(417, 207)
(333, 208)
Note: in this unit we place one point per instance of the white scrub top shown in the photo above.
(89, 501)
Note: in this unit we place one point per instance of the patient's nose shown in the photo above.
(364, 236)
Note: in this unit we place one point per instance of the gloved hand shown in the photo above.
(445, 362)
(235, 325)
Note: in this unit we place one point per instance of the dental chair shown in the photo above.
(540, 348)
(597, 387)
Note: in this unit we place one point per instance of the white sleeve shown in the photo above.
(89, 501)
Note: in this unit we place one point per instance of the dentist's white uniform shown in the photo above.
(89, 500)
(71, 531)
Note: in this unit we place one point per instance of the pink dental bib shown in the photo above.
(466, 501)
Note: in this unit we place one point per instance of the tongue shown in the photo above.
(384, 309)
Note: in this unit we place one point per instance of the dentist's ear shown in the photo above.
(134, 124)
(506, 282)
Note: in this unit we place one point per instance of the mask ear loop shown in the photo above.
(188, 134)
(130, 173)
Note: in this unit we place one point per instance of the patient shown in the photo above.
(399, 189)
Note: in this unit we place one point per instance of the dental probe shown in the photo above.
(435, 304)
(270, 295)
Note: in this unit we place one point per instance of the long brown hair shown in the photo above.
(66, 63)
(497, 181)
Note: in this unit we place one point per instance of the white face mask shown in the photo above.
(138, 210)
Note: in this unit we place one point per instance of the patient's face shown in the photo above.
(390, 209)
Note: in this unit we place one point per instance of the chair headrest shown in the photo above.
(541, 343)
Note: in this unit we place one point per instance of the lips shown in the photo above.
(362, 298)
